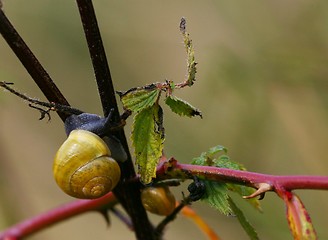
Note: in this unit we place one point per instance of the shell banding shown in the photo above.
(158, 200)
(83, 167)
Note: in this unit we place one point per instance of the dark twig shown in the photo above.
(196, 192)
(51, 106)
(42, 111)
(98, 57)
(160, 227)
(128, 195)
(31, 63)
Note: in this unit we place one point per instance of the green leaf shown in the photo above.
(137, 99)
(147, 138)
(214, 150)
(216, 195)
(206, 158)
(249, 229)
(182, 107)
(224, 162)
(210, 158)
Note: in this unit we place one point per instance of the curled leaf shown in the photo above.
(182, 107)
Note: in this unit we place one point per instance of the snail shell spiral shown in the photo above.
(83, 167)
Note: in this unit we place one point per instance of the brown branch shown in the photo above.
(98, 57)
(128, 195)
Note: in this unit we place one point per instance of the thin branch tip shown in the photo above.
(183, 25)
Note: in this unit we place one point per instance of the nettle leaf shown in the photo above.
(182, 107)
(137, 99)
(206, 158)
(249, 229)
(216, 195)
(224, 162)
(215, 150)
(217, 192)
(148, 138)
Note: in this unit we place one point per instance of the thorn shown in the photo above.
(262, 195)
(262, 189)
(105, 214)
(3, 83)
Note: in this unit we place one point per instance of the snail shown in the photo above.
(84, 166)
(158, 200)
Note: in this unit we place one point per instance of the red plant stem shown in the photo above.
(250, 179)
(37, 223)
(168, 170)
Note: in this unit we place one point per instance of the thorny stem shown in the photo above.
(184, 171)
(37, 223)
(173, 169)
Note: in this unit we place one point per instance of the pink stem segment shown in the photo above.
(56, 215)
(172, 168)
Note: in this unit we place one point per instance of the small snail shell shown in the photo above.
(158, 200)
(83, 167)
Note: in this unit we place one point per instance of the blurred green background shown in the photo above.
(261, 86)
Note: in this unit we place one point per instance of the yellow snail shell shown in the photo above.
(158, 200)
(83, 167)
